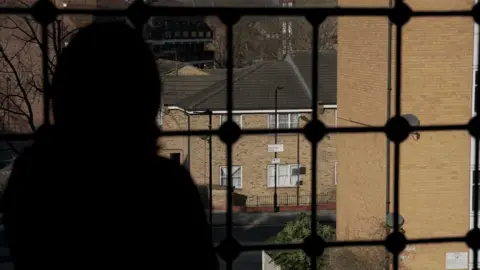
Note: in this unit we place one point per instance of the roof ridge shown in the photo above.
(299, 76)
(216, 87)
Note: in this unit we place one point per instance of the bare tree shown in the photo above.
(21, 75)
(267, 37)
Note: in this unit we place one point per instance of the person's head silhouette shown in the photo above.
(106, 83)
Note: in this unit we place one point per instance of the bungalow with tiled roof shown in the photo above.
(187, 98)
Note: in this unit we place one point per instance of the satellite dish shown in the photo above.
(414, 122)
(390, 220)
(412, 119)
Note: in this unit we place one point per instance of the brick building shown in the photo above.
(435, 171)
(187, 97)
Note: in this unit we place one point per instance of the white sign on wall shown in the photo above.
(275, 160)
(457, 260)
(275, 148)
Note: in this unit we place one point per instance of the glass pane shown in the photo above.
(271, 121)
(236, 171)
(237, 182)
(283, 120)
(294, 120)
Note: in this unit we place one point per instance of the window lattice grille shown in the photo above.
(397, 128)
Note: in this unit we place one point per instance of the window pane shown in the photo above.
(271, 121)
(283, 120)
(294, 120)
(237, 182)
(236, 119)
(294, 170)
(270, 175)
(236, 171)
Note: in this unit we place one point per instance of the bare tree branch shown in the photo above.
(21, 73)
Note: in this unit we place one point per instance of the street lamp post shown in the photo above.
(275, 196)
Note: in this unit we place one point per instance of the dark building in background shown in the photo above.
(183, 39)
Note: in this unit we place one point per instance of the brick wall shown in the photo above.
(437, 81)
(251, 153)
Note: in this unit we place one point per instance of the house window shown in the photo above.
(209, 34)
(236, 176)
(201, 34)
(284, 120)
(185, 33)
(194, 34)
(177, 34)
(168, 34)
(175, 157)
(287, 175)
(237, 118)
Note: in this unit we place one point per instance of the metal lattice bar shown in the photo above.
(397, 129)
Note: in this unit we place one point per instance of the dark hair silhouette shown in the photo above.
(109, 67)
(91, 191)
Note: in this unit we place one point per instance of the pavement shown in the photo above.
(255, 228)
(266, 218)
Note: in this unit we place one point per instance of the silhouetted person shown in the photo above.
(91, 193)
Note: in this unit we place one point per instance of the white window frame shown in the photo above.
(290, 167)
(290, 117)
(239, 120)
(224, 179)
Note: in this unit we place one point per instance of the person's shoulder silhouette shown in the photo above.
(92, 189)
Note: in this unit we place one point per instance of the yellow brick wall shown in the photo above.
(251, 153)
(434, 171)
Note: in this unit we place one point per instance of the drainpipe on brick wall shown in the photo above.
(389, 101)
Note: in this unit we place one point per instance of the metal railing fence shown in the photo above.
(397, 129)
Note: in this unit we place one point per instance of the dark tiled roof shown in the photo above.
(327, 73)
(176, 88)
(254, 89)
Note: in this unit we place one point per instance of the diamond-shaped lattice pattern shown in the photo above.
(396, 242)
(314, 131)
(396, 129)
(473, 239)
(44, 12)
(401, 14)
(229, 132)
(229, 249)
(474, 127)
(314, 246)
(138, 13)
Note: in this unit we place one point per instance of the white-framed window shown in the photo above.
(237, 118)
(236, 176)
(284, 120)
(287, 175)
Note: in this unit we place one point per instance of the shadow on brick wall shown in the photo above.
(219, 197)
